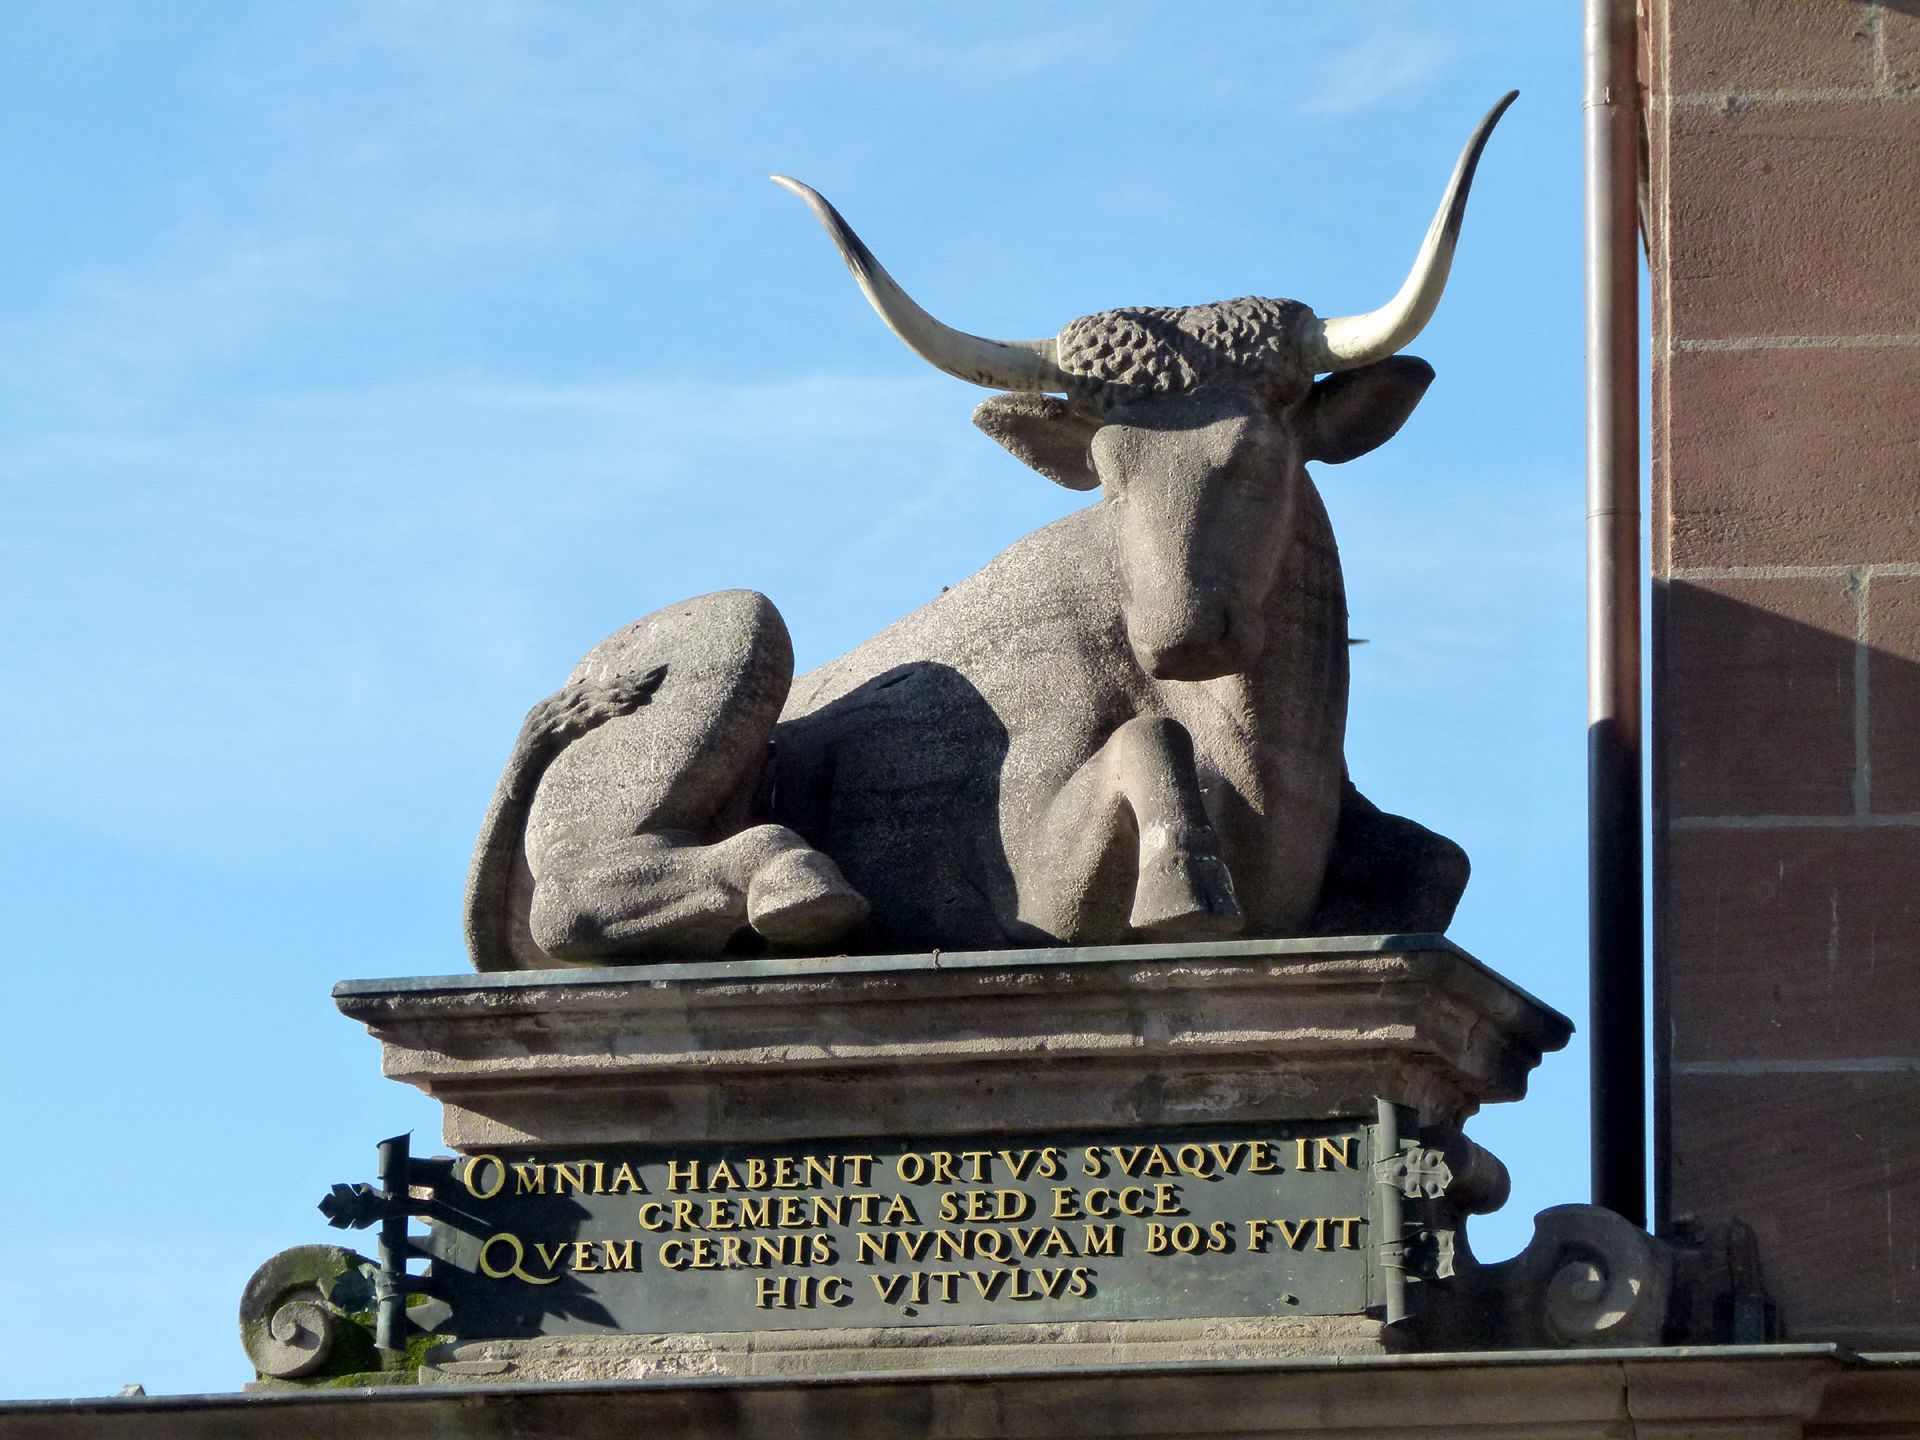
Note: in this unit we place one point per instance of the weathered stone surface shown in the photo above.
(1793, 219)
(1734, 1393)
(603, 840)
(1794, 456)
(956, 1043)
(1791, 945)
(1758, 710)
(1825, 1166)
(1892, 697)
(981, 1349)
(1737, 46)
(298, 1314)
(1129, 726)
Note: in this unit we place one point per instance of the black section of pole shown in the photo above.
(390, 1289)
(1615, 906)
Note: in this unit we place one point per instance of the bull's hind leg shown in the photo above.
(640, 840)
(666, 893)
(1126, 846)
(1388, 874)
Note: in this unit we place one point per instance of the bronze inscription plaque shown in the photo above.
(1270, 1219)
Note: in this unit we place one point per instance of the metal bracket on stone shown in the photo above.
(1407, 1177)
(1425, 1185)
(359, 1205)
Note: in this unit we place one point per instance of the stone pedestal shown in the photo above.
(1112, 1044)
(996, 1041)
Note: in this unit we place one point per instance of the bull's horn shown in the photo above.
(997, 364)
(1347, 342)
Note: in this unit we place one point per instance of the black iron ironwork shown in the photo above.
(359, 1206)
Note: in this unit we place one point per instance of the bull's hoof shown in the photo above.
(1185, 895)
(800, 898)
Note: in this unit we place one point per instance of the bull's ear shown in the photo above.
(1044, 431)
(1354, 411)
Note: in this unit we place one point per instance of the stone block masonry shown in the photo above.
(1784, 220)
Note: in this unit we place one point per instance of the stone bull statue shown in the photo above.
(1128, 726)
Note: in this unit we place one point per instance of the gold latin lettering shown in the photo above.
(1100, 1239)
(529, 1180)
(624, 1176)
(1227, 1157)
(471, 1169)
(515, 1267)
(683, 1175)
(987, 1282)
(616, 1255)
(794, 1292)
(1337, 1147)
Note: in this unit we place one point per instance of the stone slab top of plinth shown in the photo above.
(967, 1042)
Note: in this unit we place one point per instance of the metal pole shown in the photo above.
(1393, 1225)
(390, 1291)
(1616, 951)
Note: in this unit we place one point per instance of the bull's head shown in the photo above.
(1196, 422)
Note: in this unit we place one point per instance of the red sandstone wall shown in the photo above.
(1785, 223)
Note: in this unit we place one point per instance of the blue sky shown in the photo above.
(362, 364)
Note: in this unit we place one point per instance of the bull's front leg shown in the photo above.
(1125, 847)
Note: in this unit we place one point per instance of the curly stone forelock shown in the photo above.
(1246, 344)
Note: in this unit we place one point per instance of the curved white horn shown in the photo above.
(1347, 342)
(997, 364)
